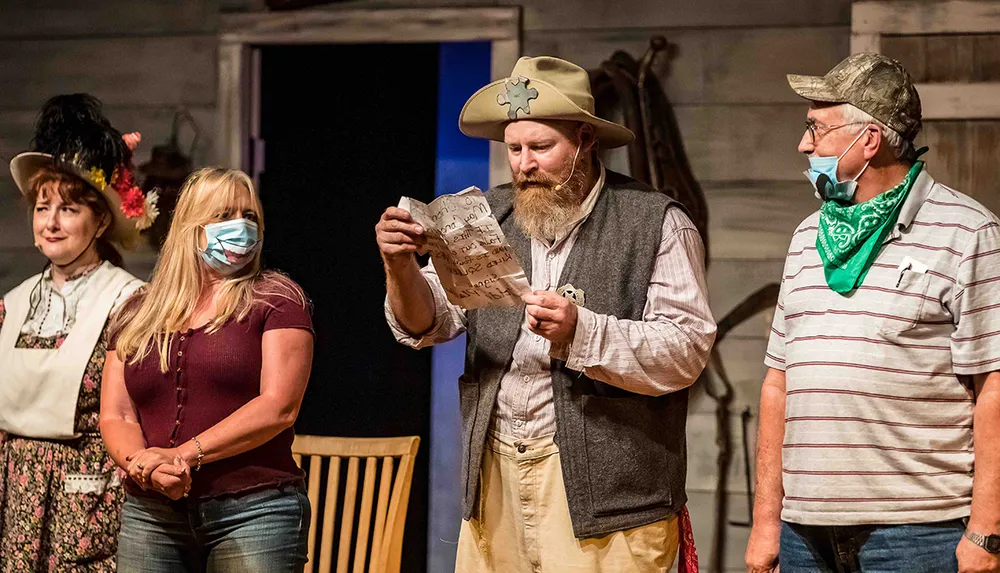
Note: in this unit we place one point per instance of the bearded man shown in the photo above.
(574, 404)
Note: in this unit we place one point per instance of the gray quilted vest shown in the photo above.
(623, 455)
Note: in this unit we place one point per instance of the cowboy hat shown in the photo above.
(539, 88)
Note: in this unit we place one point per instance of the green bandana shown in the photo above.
(849, 236)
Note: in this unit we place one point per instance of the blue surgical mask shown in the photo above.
(822, 173)
(229, 245)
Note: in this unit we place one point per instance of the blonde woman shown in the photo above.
(204, 379)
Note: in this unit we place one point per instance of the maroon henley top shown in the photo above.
(210, 376)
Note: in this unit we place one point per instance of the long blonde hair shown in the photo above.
(169, 301)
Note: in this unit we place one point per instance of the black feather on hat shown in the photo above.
(72, 128)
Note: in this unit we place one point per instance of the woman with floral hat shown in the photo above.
(60, 493)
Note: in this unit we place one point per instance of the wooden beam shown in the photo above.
(960, 101)
(72, 18)
(866, 43)
(921, 17)
(232, 142)
(717, 65)
(504, 55)
(174, 70)
(623, 14)
(369, 26)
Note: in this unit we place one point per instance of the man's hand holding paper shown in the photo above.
(398, 235)
(476, 265)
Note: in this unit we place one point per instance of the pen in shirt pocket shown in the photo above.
(912, 265)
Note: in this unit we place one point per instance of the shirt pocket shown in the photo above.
(908, 303)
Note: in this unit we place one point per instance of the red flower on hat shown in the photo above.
(133, 202)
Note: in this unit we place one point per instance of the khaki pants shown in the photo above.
(523, 522)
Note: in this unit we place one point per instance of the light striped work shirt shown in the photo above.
(663, 353)
(879, 403)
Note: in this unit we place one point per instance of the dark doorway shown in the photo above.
(348, 130)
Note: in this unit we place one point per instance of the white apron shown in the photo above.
(39, 388)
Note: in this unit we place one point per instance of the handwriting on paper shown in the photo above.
(476, 265)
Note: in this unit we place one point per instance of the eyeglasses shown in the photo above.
(818, 131)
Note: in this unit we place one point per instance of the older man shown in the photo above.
(572, 416)
(878, 447)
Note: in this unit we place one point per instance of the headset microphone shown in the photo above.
(571, 171)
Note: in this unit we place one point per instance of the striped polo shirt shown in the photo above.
(879, 397)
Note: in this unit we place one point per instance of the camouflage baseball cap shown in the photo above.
(873, 83)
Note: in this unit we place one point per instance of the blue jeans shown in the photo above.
(915, 548)
(264, 531)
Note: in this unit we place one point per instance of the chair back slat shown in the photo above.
(384, 490)
(376, 539)
(365, 515)
(329, 516)
(347, 525)
(392, 552)
(315, 463)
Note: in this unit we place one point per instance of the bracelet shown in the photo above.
(201, 454)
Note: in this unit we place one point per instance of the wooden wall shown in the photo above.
(739, 121)
(143, 58)
(963, 153)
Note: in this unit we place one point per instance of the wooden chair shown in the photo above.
(389, 511)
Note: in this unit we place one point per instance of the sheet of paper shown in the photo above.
(468, 250)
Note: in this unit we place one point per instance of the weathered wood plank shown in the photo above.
(950, 58)
(743, 359)
(911, 51)
(945, 58)
(963, 155)
(866, 43)
(731, 281)
(108, 18)
(755, 220)
(232, 147)
(709, 66)
(922, 17)
(597, 14)
(702, 508)
(365, 25)
(987, 58)
(120, 71)
(727, 143)
(703, 451)
(242, 5)
(960, 101)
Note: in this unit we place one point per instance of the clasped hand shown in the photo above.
(162, 470)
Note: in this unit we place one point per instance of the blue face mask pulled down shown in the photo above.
(229, 245)
(822, 173)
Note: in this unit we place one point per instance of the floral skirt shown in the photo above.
(60, 505)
